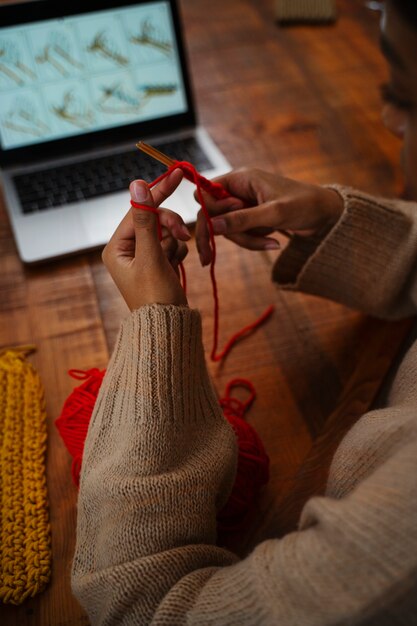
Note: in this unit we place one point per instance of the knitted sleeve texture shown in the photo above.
(159, 461)
(368, 261)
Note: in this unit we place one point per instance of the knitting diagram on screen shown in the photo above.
(73, 110)
(116, 99)
(57, 54)
(24, 119)
(149, 37)
(12, 66)
(103, 46)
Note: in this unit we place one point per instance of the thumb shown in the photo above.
(145, 221)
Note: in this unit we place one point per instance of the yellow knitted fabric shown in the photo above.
(25, 547)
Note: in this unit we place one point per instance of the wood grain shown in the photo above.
(303, 101)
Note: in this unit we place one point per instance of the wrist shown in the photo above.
(331, 205)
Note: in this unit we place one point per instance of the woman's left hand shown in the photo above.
(145, 269)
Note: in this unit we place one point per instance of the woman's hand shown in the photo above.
(145, 269)
(262, 203)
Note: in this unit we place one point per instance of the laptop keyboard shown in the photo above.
(57, 186)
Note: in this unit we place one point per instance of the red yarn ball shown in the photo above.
(75, 416)
(253, 462)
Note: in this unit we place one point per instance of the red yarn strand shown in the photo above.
(150, 209)
(253, 462)
(219, 192)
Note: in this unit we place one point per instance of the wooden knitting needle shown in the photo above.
(156, 154)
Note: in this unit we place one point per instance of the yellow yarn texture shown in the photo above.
(25, 539)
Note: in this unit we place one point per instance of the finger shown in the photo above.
(181, 253)
(145, 223)
(167, 186)
(202, 238)
(264, 215)
(216, 207)
(174, 250)
(252, 242)
(241, 184)
(174, 223)
(124, 230)
(169, 247)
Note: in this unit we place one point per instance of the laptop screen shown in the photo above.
(87, 72)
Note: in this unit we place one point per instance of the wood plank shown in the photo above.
(55, 308)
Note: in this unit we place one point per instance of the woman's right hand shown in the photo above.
(262, 203)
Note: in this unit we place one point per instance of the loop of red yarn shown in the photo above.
(219, 192)
(150, 209)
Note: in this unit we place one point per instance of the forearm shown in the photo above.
(367, 260)
(159, 462)
(155, 472)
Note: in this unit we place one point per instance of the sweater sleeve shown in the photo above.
(159, 461)
(353, 561)
(368, 260)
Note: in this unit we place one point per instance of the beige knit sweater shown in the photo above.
(160, 460)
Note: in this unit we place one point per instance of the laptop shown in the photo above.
(80, 84)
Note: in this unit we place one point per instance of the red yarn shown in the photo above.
(253, 463)
(252, 466)
(219, 192)
(73, 422)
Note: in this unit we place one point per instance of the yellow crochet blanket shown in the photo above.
(25, 546)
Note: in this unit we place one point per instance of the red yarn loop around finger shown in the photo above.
(150, 209)
(253, 462)
(217, 191)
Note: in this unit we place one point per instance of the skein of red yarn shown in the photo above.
(73, 422)
(253, 463)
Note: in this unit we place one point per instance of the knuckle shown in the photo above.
(240, 220)
(169, 246)
(182, 252)
(143, 219)
(248, 171)
(105, 255)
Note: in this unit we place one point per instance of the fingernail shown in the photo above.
(203, 259)
(236, 207)
(219, 226)
(185, 230)
(272, 245)
(139, 191)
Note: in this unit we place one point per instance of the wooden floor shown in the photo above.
(301, 101)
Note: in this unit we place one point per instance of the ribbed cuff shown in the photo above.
(162, 344)
(355, 262)
(157, 400)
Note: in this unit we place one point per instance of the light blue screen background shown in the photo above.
(68, 76)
